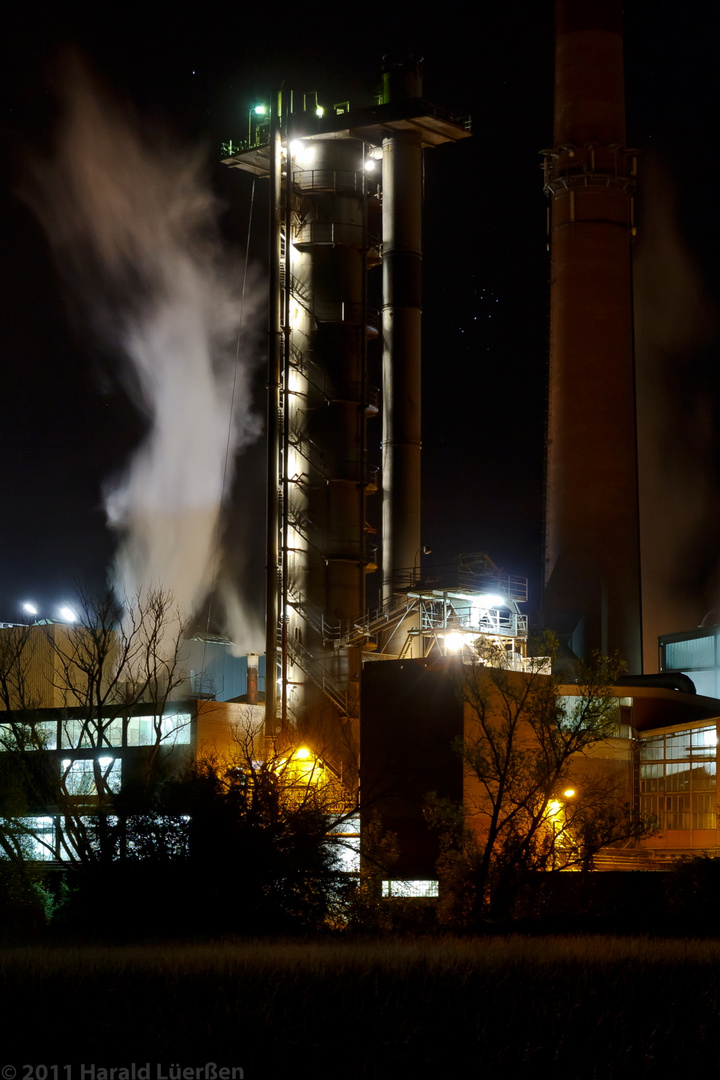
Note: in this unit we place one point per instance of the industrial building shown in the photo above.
(345, 198)
(364, 644)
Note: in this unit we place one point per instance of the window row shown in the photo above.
(171, 730)
(681, 811)
(64, 838)
(680, 746)
(676, 776)
(56, 838)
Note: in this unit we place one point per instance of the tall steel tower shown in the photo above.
(345, 196)
(592, 593)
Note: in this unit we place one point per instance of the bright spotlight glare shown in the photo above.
(303, 153)
(259, 110)
(320, 111)
(370, 165)
(29, 608)
(67, 614)
(453, 642)
(490, 600)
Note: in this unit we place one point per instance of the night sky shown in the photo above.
(188, 74)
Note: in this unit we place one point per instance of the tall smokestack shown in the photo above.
(592, 593)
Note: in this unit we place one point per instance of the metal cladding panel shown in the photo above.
(216, 670)
(411, 714)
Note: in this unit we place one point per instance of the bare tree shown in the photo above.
(75, 692)
(538, 795)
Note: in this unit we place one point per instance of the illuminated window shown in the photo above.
(141, 730)
(678, 779)
(76, 734)
(81, 776)
(171, 730)
(33, 836)
(346, 845)
(42, 735)
(176, 729)
(409, 890)
(79, 734)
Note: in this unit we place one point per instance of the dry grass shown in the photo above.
(570, 1007)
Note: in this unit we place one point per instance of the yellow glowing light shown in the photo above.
(302, 753)
(320, 111)
(568, 793)
(554, 807)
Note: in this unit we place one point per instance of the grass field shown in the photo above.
(566, 1007)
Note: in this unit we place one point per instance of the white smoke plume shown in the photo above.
(133, 225)
(241, 623)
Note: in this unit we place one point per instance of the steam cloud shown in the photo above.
(133, 225)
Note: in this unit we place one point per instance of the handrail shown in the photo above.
(314, 669)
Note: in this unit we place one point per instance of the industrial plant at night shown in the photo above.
(346, 197)
(368, 640)
(360, 590)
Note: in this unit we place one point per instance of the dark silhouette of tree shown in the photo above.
(538, 796)
(241, 846)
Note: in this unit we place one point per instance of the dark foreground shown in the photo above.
(567, 1007)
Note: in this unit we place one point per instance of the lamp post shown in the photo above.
(424, 550)
(556, 807)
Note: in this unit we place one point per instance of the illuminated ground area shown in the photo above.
(565, 1006)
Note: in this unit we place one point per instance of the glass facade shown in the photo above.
(678, 783)
(174, 729)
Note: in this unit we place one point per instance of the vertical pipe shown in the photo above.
(362, 494)
(287, 216)
(273, 430)
(252, 678)
(402, 255)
